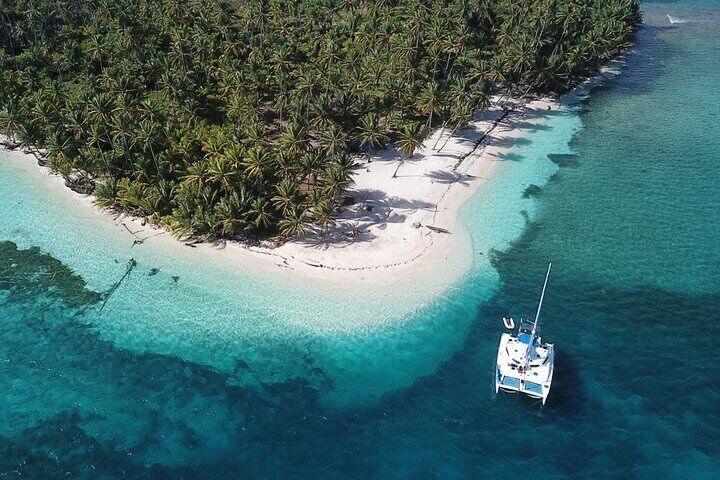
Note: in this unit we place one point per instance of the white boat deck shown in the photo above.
(514, 373)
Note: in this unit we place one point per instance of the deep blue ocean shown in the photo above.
(167, 381)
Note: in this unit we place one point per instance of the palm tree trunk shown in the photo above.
(447, 66)
(442, 130)
(157, 166)
(449, 136)
(9, 29)
(400, 164)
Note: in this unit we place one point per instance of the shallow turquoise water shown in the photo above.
(219, 374)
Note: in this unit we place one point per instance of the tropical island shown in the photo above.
(251, 120)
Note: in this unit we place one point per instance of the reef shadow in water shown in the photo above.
(532, 191)
(25, 274)
(100, 411)
(565, 160)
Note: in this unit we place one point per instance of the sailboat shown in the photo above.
(524, 363)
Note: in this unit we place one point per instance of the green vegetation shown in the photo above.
(241, 119)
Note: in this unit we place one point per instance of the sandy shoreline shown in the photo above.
(391, 217)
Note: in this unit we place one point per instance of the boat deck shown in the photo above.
(511, 375)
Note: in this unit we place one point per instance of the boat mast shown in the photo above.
(542, 297)
(534, 330)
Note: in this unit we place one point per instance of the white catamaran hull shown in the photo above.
(524, 363)
(535, 379)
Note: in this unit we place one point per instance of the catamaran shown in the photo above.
(524, 363)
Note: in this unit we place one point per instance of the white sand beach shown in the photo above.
(402, 229)
(396, 227)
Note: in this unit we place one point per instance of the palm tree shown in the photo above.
(309, 164)
(229, 221)
(370, 133)
(234, 156)
(255, 163)
(286, 196)
(95, 48)
(286, 164)
(322, 212)
(97, 136)
(9, 124)
(100, 107)
(334, 141)
(260, 212)
(214, 145)
(146, 134)
(461, 114)
(253, 133)
(294, 139)
(106, 193)
(430, 102)
(221, 172)
(336, 180)
(197, 175)
(408, 141)
(294, 223)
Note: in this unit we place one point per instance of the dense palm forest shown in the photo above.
(239, 119)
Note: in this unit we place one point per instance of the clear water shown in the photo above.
(218, 373)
